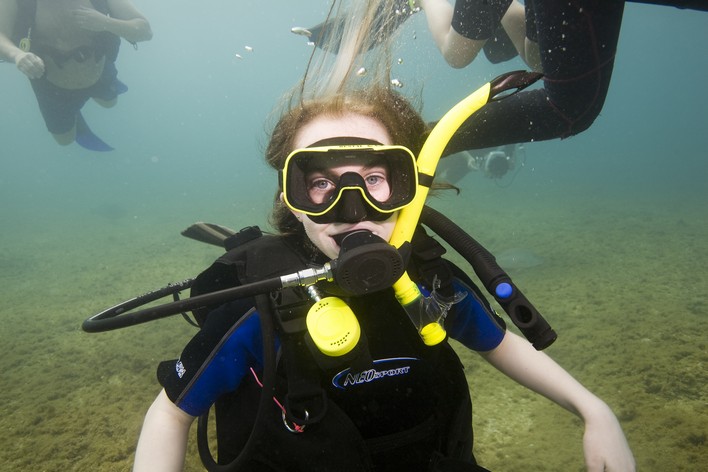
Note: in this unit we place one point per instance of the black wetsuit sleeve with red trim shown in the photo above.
(577, 41)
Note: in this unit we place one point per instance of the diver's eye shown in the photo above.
(374, 180)
(320, 184)
(378, 186)
(319, 190)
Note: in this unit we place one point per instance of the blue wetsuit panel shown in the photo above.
(240, 348)
(473, 324)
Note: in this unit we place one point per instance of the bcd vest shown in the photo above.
(396, 405)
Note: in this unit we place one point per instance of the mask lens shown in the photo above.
(314, 179)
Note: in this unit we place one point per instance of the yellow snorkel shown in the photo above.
(426, 314)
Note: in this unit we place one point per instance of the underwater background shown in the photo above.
(606, 232)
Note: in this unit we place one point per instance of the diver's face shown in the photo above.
(323, 127)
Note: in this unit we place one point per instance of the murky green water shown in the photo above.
(618, 216)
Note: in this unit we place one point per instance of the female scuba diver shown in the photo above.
(336, 373)
(378, 397)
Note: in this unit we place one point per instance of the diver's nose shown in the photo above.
(351, 207)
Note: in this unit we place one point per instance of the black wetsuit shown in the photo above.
(577, 41)
(400, 406)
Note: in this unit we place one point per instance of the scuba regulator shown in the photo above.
(366, 264)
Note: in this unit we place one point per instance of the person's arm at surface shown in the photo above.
(163, 440)
(457, 50)
(514, 23)
(8, 13)
(605, 446)
(29, 64)
(532, 55)
(124, 21)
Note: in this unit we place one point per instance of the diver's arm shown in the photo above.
(124, 21)
(163, 440)
(604, 443)
(459, 51)
(29, 64)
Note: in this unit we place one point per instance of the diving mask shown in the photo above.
(318, 182)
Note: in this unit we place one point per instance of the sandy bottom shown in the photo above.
(623, 284)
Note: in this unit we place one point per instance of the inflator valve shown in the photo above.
(504, 290)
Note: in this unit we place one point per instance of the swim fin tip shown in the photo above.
(87, 139)
(209, 233)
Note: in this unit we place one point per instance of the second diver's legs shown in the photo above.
(105, 92)
(106, 103)
(59, 108)
(578, 42)
(67, 138)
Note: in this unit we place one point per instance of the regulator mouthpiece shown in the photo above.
(367, 263)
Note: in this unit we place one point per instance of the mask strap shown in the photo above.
(342, 140)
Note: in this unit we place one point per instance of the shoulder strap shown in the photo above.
(24, 21)
(428, 264)
(253, 259)
(106, 43)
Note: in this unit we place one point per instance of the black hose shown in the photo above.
(118, 316)
(524, 315)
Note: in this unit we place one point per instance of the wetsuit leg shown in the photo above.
(578, 41)
(108, 86)
(58, 106)
(478, 19)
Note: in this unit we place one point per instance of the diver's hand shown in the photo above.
(605, 446)
(90, 19)
(30, 64)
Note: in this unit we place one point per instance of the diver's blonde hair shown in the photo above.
(355, 50)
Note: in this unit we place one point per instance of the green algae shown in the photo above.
(624, 289)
